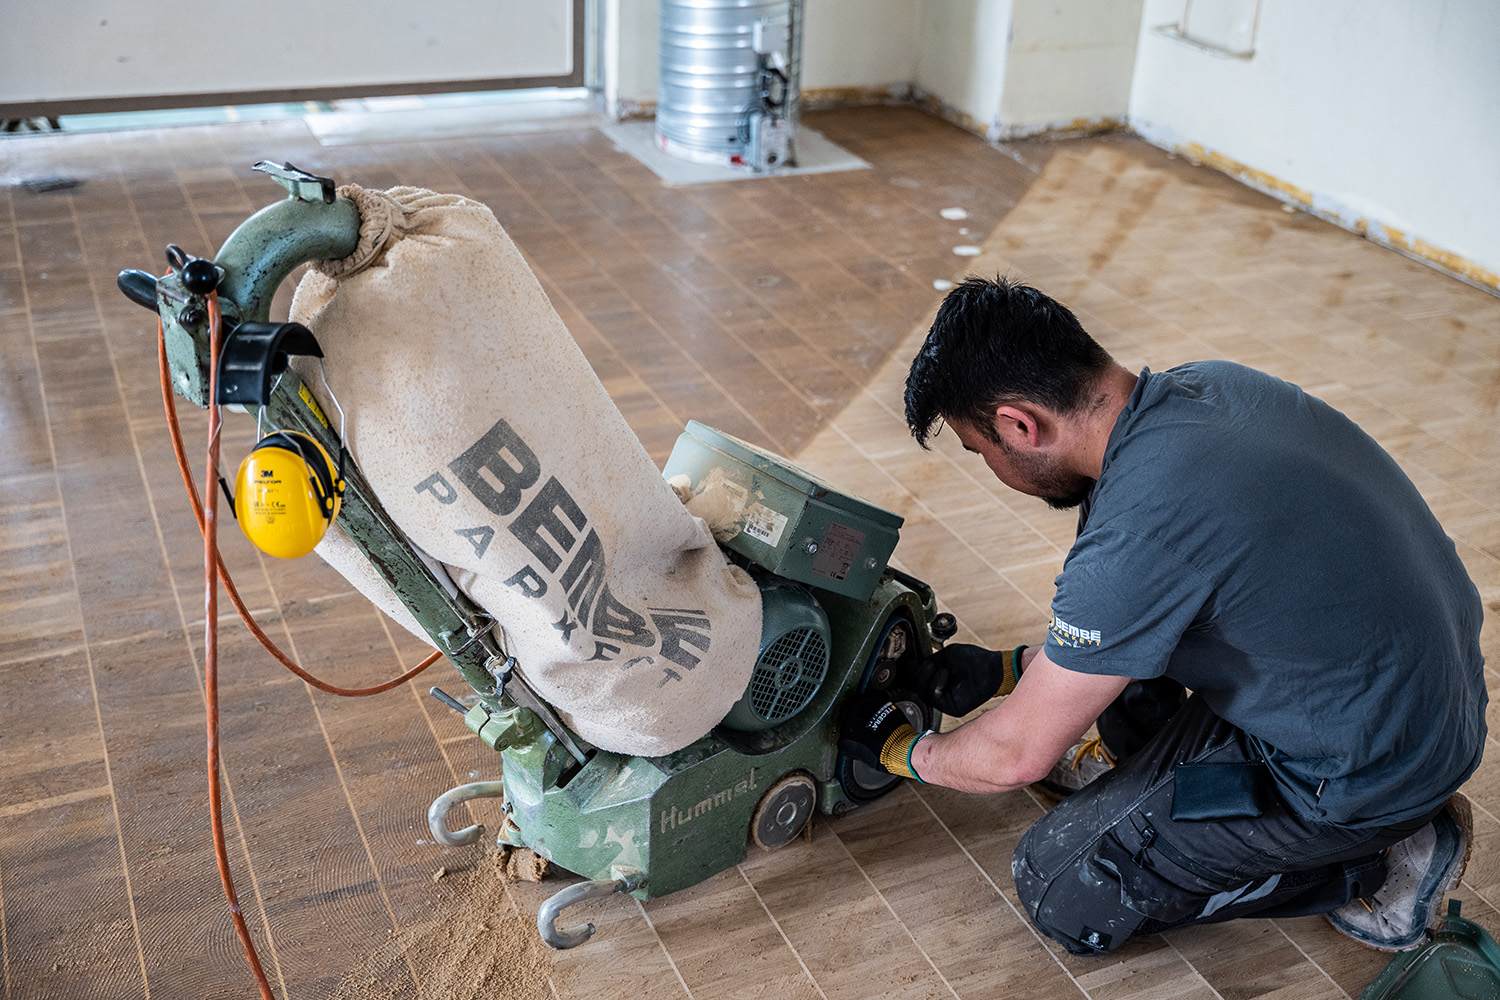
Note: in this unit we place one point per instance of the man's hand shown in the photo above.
(877, 733)
(1021, 738)
(959, 677)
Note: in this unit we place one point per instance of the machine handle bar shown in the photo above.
(437, 813)
(548, 912)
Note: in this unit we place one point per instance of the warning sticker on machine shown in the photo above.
(312, 404)
(837, 551)
(763, 523)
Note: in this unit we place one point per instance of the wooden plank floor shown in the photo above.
(782, 310)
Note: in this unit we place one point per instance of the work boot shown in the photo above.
(1082, 764)
(1419, 870)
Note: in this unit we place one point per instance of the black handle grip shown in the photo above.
(139, 287)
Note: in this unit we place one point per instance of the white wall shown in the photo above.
(1384, 111)
(1006, 67)
(962, 49)
(860, 44)
(1069, 65)
(1011, 68)
(630, 40)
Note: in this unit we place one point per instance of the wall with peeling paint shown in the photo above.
(860, 44)
(1011, 68)
(1002, 68)
(1069, 66)
(961, 59)
(1380, 114)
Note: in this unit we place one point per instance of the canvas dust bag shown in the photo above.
(488, 438)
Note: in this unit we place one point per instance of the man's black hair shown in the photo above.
(996, 342)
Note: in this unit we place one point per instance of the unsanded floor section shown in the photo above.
(781, 310)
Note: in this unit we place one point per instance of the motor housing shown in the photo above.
(793, 659)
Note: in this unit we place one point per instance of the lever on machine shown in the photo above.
(139, 287)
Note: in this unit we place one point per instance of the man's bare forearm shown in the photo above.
(1018, 741)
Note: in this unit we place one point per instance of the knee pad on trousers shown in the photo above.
(1082, 905)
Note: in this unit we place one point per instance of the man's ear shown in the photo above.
(1019, 425)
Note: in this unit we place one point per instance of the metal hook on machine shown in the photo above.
(626, 880)
(437, 813)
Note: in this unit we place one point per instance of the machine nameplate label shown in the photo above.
(672, 818)
(836, 553)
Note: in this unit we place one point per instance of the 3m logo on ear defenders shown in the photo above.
(286, 494)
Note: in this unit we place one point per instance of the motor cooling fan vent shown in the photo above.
(788, 674)
(793, 659)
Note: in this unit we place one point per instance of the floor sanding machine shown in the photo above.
(837, 620)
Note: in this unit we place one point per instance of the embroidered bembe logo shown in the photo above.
(1071, 635)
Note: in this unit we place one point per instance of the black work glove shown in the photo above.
(959, 677)
(876, 732)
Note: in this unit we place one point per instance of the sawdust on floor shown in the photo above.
(477, 948)
(513, 863)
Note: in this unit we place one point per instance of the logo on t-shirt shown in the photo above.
(1071, 635)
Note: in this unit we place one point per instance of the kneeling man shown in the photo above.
(1238, 540)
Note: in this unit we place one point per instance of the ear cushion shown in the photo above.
(323, 479)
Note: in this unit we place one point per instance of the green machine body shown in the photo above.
(837, 620)
(790, 522)
(689, 815)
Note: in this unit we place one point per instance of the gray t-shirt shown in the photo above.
(1251, 542)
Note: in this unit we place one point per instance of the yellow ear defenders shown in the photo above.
(287, 493)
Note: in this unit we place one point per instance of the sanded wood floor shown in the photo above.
(781, 310)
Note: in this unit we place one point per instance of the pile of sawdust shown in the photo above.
(512, 863)
(476, 947)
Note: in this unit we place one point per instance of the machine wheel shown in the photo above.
(783, 811)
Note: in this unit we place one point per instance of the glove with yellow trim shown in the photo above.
(959, 677)
(876, 732)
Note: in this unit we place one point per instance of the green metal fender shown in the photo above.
(1461, 962)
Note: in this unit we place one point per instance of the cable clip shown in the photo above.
(477, 629)
(501, 673)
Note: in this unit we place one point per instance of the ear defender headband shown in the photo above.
(287, 492)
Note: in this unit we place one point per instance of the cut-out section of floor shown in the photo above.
(815, 155)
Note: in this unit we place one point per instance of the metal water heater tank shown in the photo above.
(730, 76)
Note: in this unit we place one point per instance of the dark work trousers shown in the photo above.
(1110, 863)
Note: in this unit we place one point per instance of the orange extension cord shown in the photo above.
(206, 512)
(169, 402)
(211, 652)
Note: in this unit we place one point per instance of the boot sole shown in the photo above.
(1462, 814)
